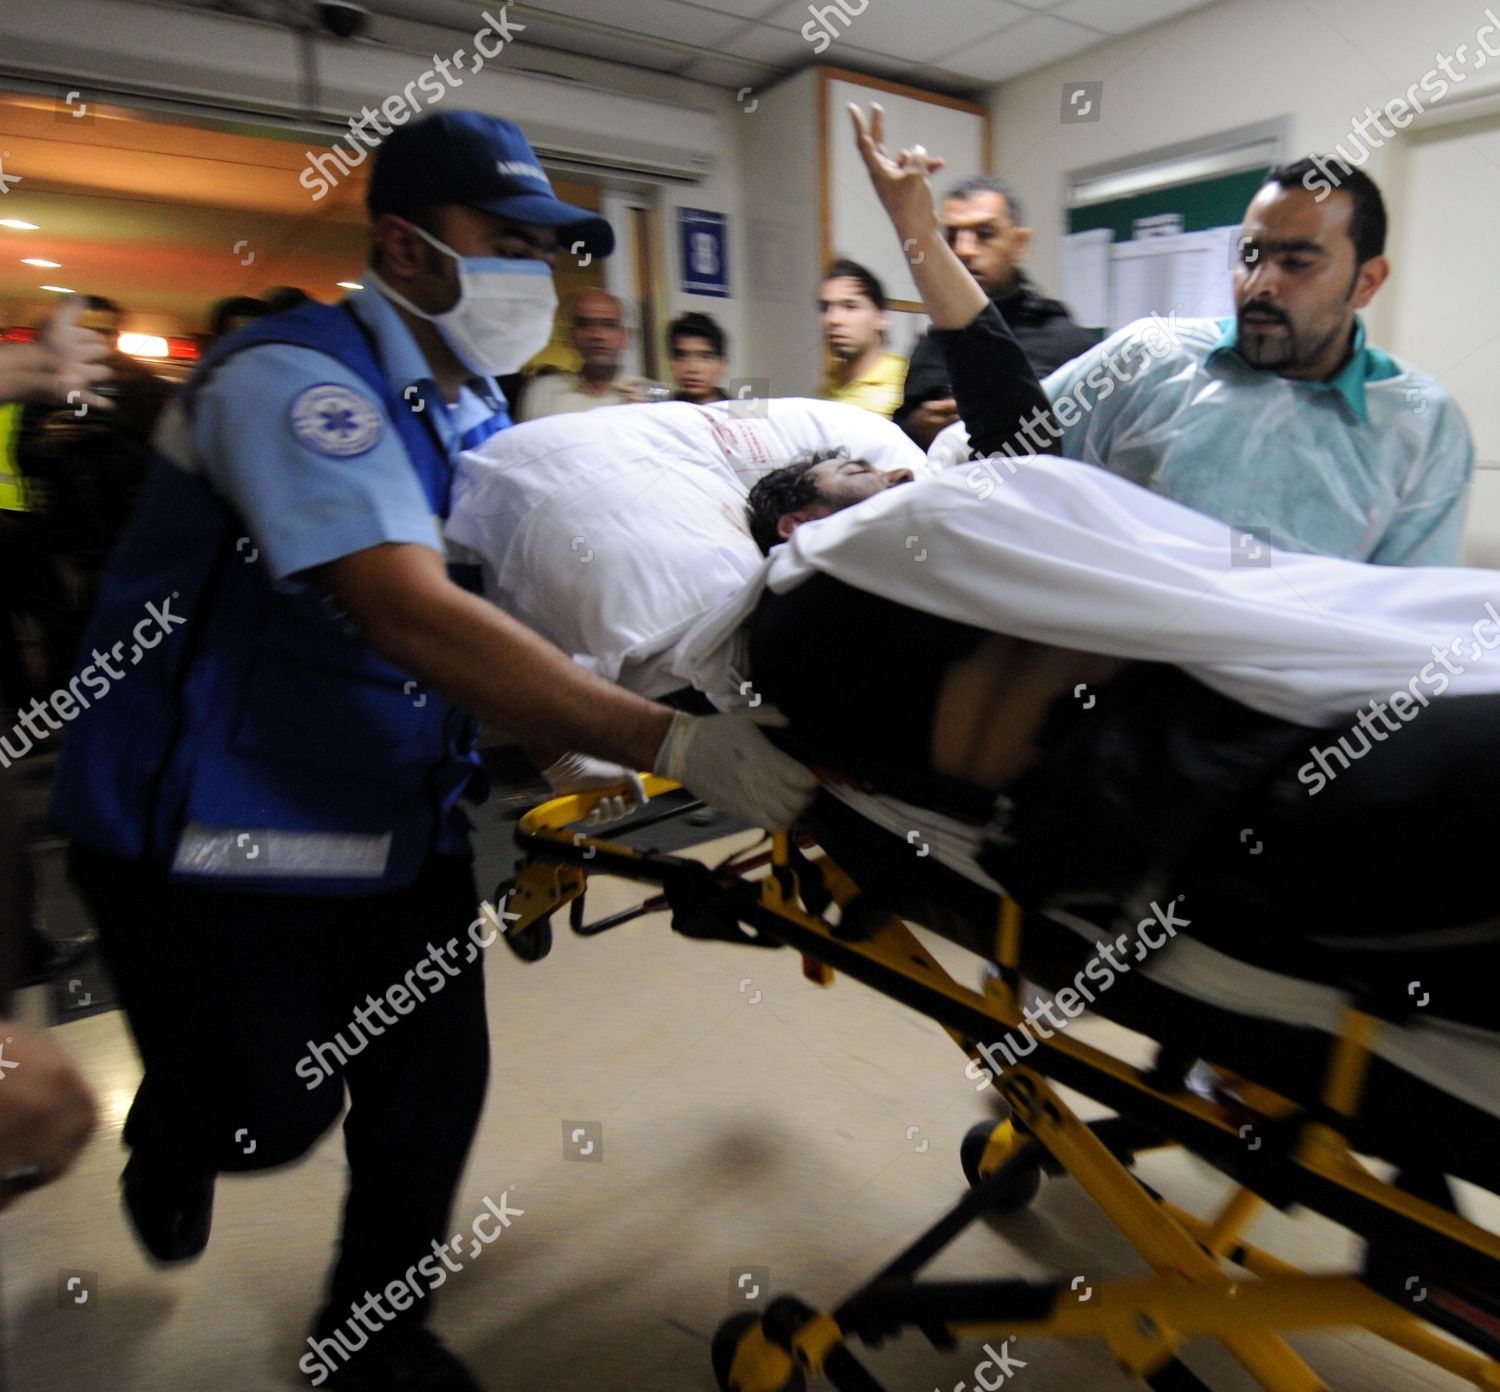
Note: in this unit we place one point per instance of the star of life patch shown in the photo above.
(336, 420)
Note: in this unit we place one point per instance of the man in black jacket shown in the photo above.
(981, 219)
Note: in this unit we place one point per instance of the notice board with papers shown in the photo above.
(1111, 277)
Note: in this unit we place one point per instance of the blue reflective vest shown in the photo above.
(264, 745)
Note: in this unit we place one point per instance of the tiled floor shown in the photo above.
(749, 1120)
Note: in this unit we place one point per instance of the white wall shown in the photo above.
(1446, 298)
(778, 151)
(1318, 63)
(721, 193)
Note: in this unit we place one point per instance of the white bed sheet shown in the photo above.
(1065, 553)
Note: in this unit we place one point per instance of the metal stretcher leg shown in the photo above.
(1152, 1232)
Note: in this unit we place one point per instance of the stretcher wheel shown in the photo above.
(726, 1344)
(532, 942)
(1021, 1174)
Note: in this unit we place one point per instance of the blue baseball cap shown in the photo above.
(481, 162)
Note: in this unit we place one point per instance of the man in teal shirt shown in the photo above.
(1282, 422)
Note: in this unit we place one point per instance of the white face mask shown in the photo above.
(503, 315)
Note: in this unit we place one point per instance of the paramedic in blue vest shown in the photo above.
(263, 787)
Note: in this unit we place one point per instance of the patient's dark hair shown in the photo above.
(785, 490)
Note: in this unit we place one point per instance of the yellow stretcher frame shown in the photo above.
(1206, 1281)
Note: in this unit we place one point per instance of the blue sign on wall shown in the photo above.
(704, 246)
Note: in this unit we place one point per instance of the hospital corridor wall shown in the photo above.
(1446, 295)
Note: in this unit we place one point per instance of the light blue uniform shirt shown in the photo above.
(1373, 465)
(318, 475)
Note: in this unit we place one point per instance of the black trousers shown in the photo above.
(227, 995)
(33, 585)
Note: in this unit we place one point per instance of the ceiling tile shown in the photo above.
(895, 30)
(1024, 47)
(786, 48)
(893, 67)
(676, 20)
(1115, 17)
(968, 42)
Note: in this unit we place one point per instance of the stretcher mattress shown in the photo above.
(1434, 1095)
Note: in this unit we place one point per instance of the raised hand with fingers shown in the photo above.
(901, 182)
(950, 295)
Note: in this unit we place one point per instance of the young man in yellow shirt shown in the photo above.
(851, 307)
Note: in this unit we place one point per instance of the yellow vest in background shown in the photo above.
(12, 485)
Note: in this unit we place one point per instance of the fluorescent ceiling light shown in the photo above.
(37, 261)
(58, 289)
(350, 285)
(19, 225)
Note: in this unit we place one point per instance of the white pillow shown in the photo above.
(755, 437)
(609, 531)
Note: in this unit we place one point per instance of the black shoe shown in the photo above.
(402, 1361)
(170, 1208)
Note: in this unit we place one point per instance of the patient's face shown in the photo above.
(840, 483)
(844, 482)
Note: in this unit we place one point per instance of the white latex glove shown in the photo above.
(582, 773)
(726, 761)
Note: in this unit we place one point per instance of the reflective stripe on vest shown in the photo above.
(276, 854)
(12, 485)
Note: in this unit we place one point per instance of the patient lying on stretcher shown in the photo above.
(910, 627)
(930, 693)
(978, 696)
